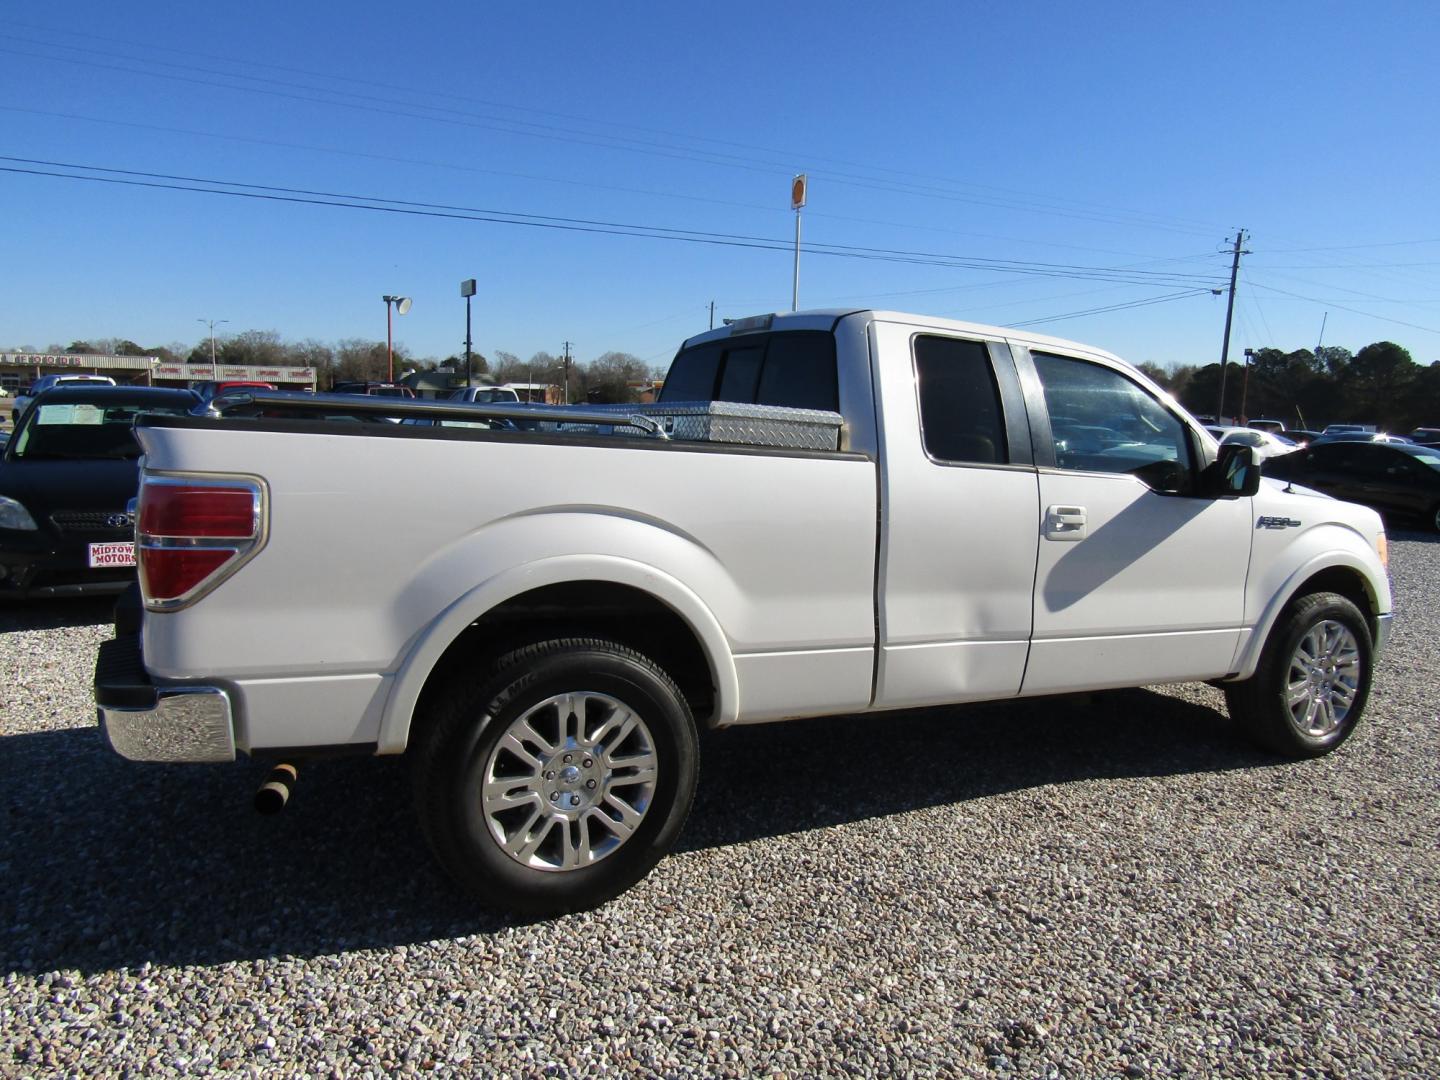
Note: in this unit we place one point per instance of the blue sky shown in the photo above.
(1105, 151)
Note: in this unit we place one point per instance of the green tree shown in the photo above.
(1378, 381)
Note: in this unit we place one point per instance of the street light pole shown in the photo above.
(212, 324)
(797, 202)
(467, 290)
(402, 305)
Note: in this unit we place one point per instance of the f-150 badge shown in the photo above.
(1276, 523)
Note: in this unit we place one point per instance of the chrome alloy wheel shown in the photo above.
(569, 781)
(1324, 678)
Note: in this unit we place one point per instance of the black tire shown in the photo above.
(1260, 704)
(459, 749)
(1434, 519)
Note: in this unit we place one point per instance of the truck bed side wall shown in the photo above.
(780, 549)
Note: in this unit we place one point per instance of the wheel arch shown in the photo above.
(1340, 573)
(631, 603)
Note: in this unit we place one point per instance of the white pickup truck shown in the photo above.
(541, 616)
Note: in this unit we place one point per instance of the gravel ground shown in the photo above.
(1108, 886)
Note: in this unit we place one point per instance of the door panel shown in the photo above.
(1154, 591)
(961, 524)
(1138, 580)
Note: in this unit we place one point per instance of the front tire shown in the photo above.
(560, 778)
(1310, 688)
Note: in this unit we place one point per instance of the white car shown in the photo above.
(1266, 444)
(49, 382)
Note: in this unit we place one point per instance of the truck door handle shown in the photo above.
(1065, 523)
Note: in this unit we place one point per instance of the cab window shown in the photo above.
(793, 368)
(960, 418)
(1103, 422)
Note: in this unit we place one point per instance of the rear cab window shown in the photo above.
(794, 369)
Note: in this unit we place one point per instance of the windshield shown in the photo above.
(83, 430)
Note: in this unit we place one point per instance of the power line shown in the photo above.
(571, 182)
(168, 181)
(1342, 307)
(1114, 307)
(467, 120)
(786, 157)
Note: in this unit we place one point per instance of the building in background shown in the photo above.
(18, 370)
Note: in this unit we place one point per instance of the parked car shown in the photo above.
(48, 382)
(1395, 478)
(378, 389)
(1425, 436)
(1300, 436)
(483, 395)
(1345, 429)
(1361, 437)
(1275, 427)
(211, 389)
(66, 475)
(826, 513)
(1264, 443)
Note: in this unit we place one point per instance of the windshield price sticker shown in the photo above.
(70, 414)
(112, 554)
(56, 414)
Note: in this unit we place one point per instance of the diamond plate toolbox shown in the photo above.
(726, 422)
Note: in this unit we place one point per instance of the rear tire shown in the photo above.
(560, 778)
(1310, 688)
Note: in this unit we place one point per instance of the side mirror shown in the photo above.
(1233, 474)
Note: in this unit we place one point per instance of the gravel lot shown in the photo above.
(1113, 886)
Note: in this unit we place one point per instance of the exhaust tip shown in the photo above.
(275, 792)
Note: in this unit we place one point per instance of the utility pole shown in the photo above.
(567, 373)
(1229, 315)
(712, 314)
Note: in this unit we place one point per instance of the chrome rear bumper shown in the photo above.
(144, 722)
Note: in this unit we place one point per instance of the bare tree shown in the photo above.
(609, 378)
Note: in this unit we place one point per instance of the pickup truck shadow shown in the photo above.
(107, 863)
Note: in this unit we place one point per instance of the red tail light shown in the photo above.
(194, 511)
(192, 534)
